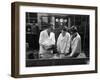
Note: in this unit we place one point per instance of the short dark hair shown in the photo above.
(73, 29)
(64, 29)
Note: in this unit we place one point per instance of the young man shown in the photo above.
(46, 41)
(75, 42)
(63, 42)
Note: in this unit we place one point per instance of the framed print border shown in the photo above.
(15, 39)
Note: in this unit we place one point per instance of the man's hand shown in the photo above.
(68, 55)
(46, 47)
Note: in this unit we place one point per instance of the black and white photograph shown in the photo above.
(56, 39)
(52, 39)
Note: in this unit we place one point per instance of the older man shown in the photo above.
(63, 42)
(46, 41)
(75, 42)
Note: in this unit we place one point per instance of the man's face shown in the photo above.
(51, 28)
(63, 32)
(71, 32)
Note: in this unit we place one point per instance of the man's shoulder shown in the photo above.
(78, 36)
(52, 33)
(44, 31)
(67, 33)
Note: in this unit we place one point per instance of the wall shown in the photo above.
(5, 40)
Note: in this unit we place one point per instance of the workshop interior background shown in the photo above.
(37, 22)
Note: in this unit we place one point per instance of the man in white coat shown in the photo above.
(63, 42)
(46, 41)
(75, 42)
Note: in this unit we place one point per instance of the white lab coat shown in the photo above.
(46, 40)
(76, 44)
(63, 43)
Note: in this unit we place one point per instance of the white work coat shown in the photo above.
(63, 43)
(76, 44)
(45, 39)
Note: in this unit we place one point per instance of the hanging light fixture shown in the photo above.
(57, 20)
(61, 20)
(65, 20)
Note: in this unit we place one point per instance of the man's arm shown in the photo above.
(67, 43)
(58, 41)
(75, 47)
(41, 38)
(53, 38)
